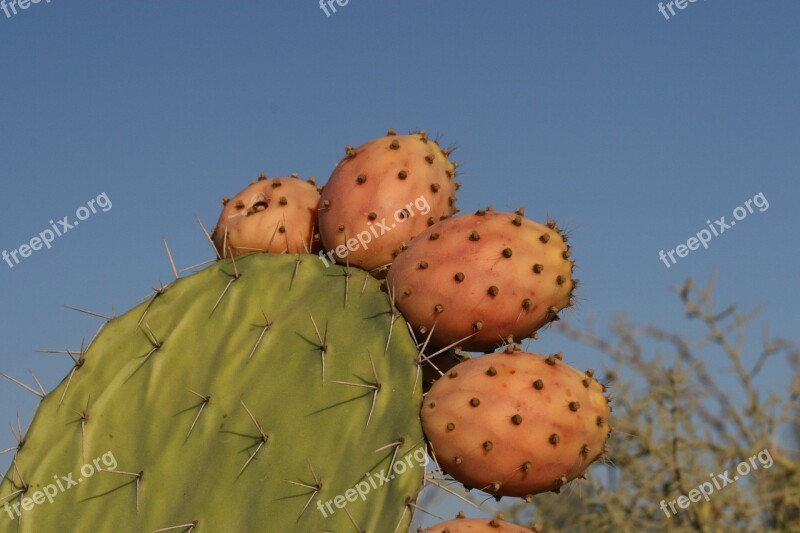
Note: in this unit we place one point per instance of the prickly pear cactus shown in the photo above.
(277, 215)
(382, 194)
(517, 423)
(269, 394)
(483, 280)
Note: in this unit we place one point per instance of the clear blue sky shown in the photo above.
(630, 129)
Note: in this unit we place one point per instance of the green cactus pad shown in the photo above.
(219, 420)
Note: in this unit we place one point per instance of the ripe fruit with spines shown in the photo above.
(516, 424)
(479, 279)
(276, 215)
(382, 194)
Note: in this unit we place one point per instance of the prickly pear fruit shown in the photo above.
(383, 193)
(483, 279)
(516, 424)
(477, 525)
(258, 395)
(277, 215)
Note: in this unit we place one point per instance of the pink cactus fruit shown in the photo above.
(483, 280)
(383, 193)
(478, 525)
(516, 424)
(276, 215)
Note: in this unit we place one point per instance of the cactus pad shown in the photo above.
(208, 409)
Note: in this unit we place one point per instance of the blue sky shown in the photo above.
(630, 129)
